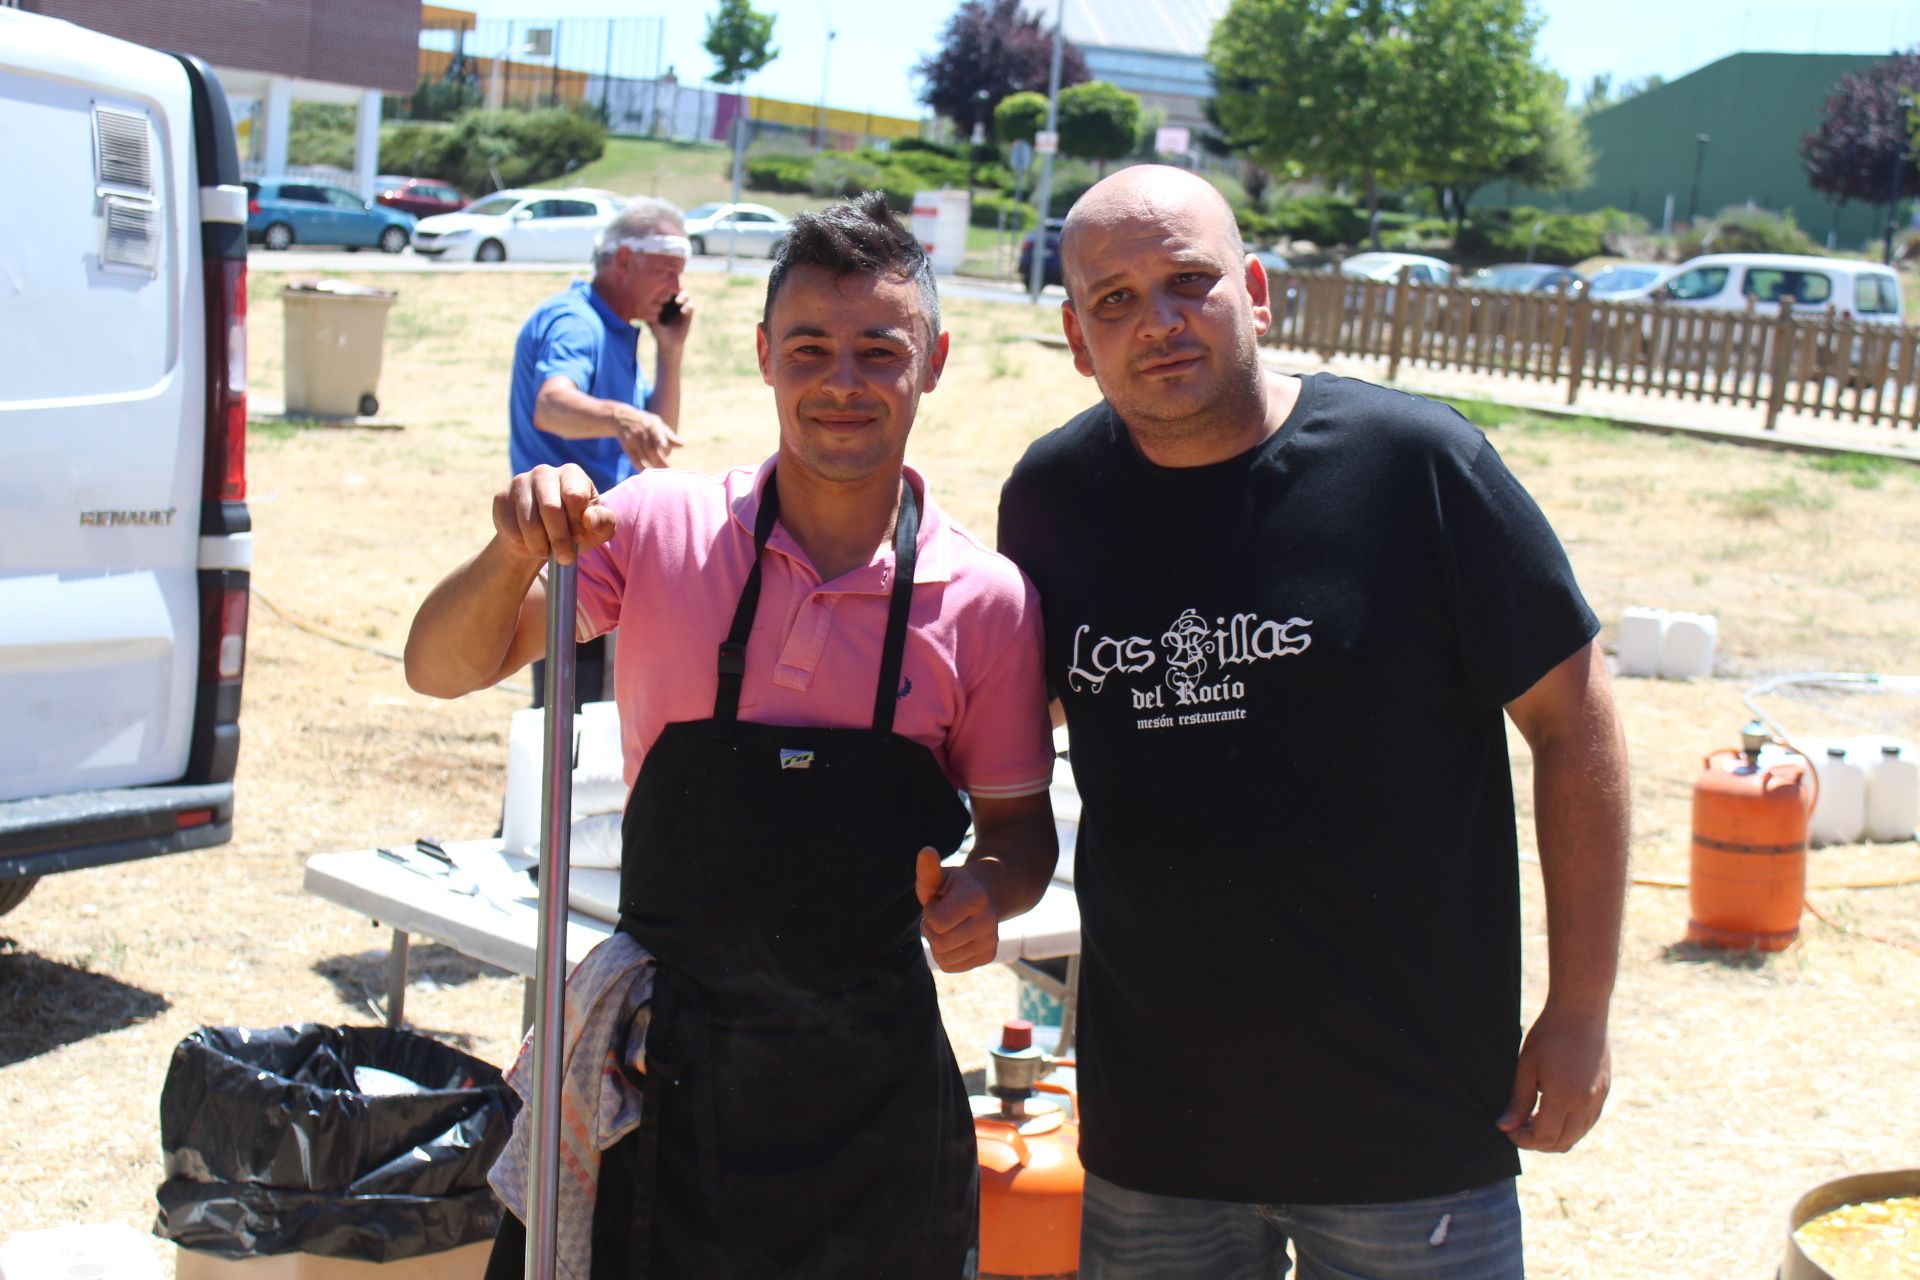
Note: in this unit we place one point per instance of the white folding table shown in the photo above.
(487, 908)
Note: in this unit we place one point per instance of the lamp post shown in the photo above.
(1036, 277)
(1700, 141)
(1902, 107)
(820, 118)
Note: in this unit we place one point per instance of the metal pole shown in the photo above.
(739, 155)
(820, 117)
(606, 81)
(1700, 141)
(1900, 108)
(1036, 275)
(550, 969)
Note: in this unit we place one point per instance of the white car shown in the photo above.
(755, 230)
(520, 226)
(1386, 266)
(1864, 291)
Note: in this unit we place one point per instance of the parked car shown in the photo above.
(1386, 266)
(1856, 290)
(529, 225)
(421, 197)
(283, 212)
(1625, 281)
(1525, 277)
(124, 534)
(755, 230)
(1050, 264)
(1275, 263)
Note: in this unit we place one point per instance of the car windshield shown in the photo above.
(1620, 279)
(706, 210)
(1507, 277)
(494, 206)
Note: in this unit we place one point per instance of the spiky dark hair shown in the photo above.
(858, 236)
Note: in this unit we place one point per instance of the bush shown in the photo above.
(1502, 236)
(442, 99)
(926, 168)
(987, 207)
(1422, 235)
(1743, 230)
(837, 174)
(520, 147)
(777, 173)
(911, 145)
(422, 150)
(1321, 219)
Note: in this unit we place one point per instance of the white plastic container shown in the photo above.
(940, 225)
(598, 783)
(97, 1251)
(1893, 794)
(1840, 811)
(1687, 644)
(1641, 631)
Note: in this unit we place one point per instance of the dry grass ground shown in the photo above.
(1739, 1081)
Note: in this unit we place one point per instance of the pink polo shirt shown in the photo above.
(972, 688)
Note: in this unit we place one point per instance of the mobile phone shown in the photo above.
(670, 311)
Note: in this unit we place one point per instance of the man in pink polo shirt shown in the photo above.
(813, 660)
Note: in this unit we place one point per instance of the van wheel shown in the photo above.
(14, 892)
(278, 236)
(393, 239)
(699, 247)
(490, 251)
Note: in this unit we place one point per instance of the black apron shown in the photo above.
(805, 1116)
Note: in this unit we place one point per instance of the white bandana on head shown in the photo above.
(669, 246)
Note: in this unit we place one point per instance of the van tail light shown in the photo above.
(224, 631)
(226, 455)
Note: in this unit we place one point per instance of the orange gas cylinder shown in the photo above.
(1749, 864)
(1030, 1175)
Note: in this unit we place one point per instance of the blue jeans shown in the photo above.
(1470, 1235)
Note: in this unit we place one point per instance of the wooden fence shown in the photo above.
(1825, 365)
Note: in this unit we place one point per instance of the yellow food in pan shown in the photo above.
(1877, 1240)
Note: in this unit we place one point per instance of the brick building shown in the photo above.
(270, 52)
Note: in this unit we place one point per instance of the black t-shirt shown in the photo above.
(1284, 677)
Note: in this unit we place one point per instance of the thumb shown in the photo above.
(597, 524)
(1525, 1089)
(927, 876)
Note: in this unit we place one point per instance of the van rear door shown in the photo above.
(124, 534)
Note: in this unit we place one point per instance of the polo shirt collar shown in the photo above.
(611, 318)
(934, 563)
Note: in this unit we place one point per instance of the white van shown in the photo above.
(1724, 281)
(124, 536)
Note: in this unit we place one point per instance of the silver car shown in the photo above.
(754, 230)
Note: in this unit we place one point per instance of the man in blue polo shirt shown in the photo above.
(578, 392)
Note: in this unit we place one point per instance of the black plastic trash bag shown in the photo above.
(348, 1142)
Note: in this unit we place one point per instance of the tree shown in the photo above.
(1098, 121)
(1019, 116)
(1384, 92)
(991, 45)
(1862, 149)
(740, 38)
(1555, 152)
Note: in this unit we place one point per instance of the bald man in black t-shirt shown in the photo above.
(1287, 619)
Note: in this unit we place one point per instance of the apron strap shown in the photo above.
(906, 555)
(733, 650)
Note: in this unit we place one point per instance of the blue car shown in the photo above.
(282, 212)
(1050, 272)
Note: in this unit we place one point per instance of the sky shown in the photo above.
(868, 66)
